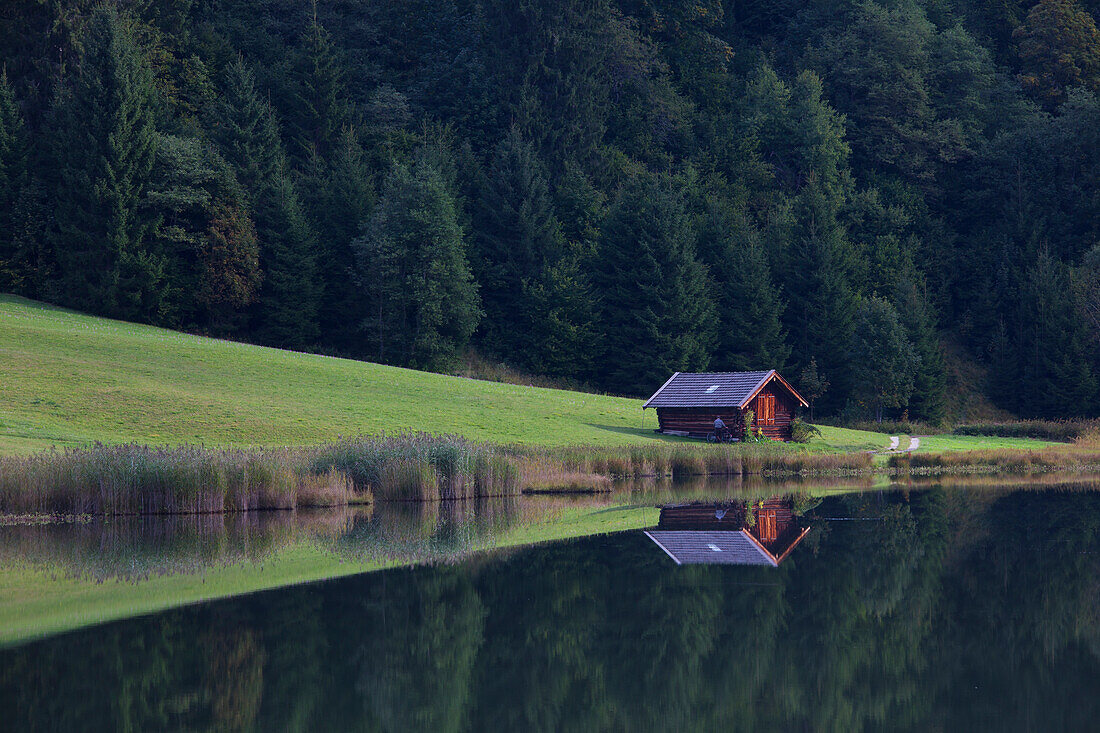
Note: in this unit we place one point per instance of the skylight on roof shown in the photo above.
(712, 388)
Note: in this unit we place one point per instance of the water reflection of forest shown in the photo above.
(943, 610)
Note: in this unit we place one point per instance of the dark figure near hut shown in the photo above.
(718, 424)
(688, 402)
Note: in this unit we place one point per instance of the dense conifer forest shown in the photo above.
(598, 191)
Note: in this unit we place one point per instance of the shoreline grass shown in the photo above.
(996, 462)
(419, 467)
(1062, 431)
(136, 479)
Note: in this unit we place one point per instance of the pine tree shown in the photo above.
(423, 299)
(103, 149)
(1055, 369)
(656, 311)
(247, 135)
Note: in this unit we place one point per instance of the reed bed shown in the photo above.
(999, 461)
(136, 479)
(420, 467)
(1056, 430)
(681, 460)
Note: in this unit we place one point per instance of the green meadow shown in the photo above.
(70, 380)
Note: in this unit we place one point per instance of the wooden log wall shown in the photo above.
(699, 421)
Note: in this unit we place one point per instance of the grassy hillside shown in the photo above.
(71, 379)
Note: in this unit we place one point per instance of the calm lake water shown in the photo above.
(923, 608)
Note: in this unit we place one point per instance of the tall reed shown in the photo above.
(1057, 430)
(135, 479)
(999, 461)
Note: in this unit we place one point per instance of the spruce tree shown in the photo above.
(751, 334)
(338, 193)
(207, 235)
(820, 302)
(247, 135)
(321, 110)
(812, 385)
(14, 179)
(656, 311)
(884, 362)
(929, 401)
(103, 150)
(1056, 372)
(519, 259)
(1002, 379)
(423, 302)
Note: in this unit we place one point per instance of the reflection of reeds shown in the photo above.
(140, 547)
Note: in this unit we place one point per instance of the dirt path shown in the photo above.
(895, 444)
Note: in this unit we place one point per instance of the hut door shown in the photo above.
(765, 409)
(765, 523)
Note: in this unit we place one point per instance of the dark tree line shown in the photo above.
(603, 192)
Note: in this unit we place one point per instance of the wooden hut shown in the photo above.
(719, 534)
(688, 403)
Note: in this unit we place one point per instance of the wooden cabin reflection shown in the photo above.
(729, 533)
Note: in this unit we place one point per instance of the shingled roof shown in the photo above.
(714, 389)
(711, 548)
